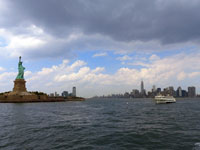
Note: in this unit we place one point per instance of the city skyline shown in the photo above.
(101, 47)
(143, 93)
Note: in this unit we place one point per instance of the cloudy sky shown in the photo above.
(100, 46)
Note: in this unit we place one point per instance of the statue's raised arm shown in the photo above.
(20, 70)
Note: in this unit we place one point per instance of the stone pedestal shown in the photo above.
(19, 86)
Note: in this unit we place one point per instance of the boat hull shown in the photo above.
(164, 100)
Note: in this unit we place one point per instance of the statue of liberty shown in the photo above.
(20, 70)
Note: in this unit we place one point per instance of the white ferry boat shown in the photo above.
(161, 99)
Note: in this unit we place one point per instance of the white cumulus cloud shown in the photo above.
(178, 70)
(124, 58)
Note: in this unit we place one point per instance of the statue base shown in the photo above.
(20, 94)
(19, 86)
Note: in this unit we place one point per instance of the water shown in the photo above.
(101, 124)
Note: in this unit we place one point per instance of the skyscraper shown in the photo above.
(191, 91)
(169, 91)
(135, 93)
(65, 94)
(179, 92)
(154, 88)
(142, 92)
(158, 90)
(74, 91)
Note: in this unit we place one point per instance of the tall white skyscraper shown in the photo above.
(179, 93)
(74, 91)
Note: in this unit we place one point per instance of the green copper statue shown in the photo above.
(20, 70)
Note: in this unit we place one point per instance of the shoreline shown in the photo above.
(178, 98)
(48, 100)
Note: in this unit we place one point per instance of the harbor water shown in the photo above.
(101, 124)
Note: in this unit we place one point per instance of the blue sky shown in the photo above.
(100, 46)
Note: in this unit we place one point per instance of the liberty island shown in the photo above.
(21, 95)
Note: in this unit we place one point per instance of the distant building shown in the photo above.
(179, 92)
(153, 92)
(74, 91)
(65, 94)
(169, 91)
(135, 93)
(191, 91)
(51, 94)
(158, 90)
(56, 94)
(142, 92)
(154, 88)
(126, 95)
(184, 93)
(142, 87)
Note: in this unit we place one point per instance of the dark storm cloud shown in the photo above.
(170, 21)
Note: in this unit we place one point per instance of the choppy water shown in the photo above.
(101, 124)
